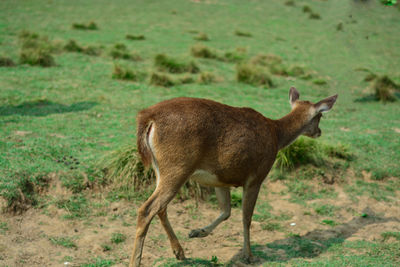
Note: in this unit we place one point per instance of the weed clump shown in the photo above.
(89, 26)
(73, 46)
(266, 60)
(319, 82)
(254, 75)
(242, 33)
(314, 16)
(163, 80)
(20, 190)
(384, 89)
(201, 37)
(117, 238)
(135, 37)
(125, 73)
(309, 151)
(120, 51)
(36, 57)
(307, 9)
(202, 51)
(290, 3)
(172, 65)
(237, 55)
(207, 78)
(125, 172)
(6, 62)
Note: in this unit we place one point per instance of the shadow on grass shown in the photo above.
(190, 262)
(44, 108)
(311, 244)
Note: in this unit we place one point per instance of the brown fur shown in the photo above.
(236, 145)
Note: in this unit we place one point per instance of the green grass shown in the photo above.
(117, 238)
(325, 209)
(99, 262)
(66, 242)
(387, 235)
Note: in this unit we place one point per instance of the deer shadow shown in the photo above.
(309, 245)
(41, 108)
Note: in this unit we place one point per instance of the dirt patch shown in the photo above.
(26, 242)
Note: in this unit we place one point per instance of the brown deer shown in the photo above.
(216, 145)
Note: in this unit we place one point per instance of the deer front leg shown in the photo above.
(224, 200)
(250, 194)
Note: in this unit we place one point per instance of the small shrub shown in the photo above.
(206, 77)
(202, 51)
(117, 238)
(162, 80)
(339, 27)
(6, 62)
(242, 33)
(172, 65)
(254, 75)
(36, 57)
(124, 73)
(314, 16)
(81, 26)
(135, 37)
(201, 37)
(307, 9)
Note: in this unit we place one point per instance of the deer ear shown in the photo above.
(325, 104)
(293, 95)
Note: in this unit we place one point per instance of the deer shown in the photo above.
(215, 145)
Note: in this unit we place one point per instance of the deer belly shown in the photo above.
(206, 178)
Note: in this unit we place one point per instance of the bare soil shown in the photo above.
(26, 241)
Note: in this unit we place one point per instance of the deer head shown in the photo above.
(310, 113)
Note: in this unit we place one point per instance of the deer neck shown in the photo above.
(289, 128)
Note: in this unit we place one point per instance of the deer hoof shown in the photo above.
(179, 254)
(198, 233)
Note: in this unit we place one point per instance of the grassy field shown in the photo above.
(57, 123)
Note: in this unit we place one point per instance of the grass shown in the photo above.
(77, 206)
(202, 51)
(373, 190)
(99, 262)
(388, 235)
(325, 209)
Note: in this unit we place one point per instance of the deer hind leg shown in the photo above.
(157, 203)
(224, 201)
(176, 247)
(250, 194)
